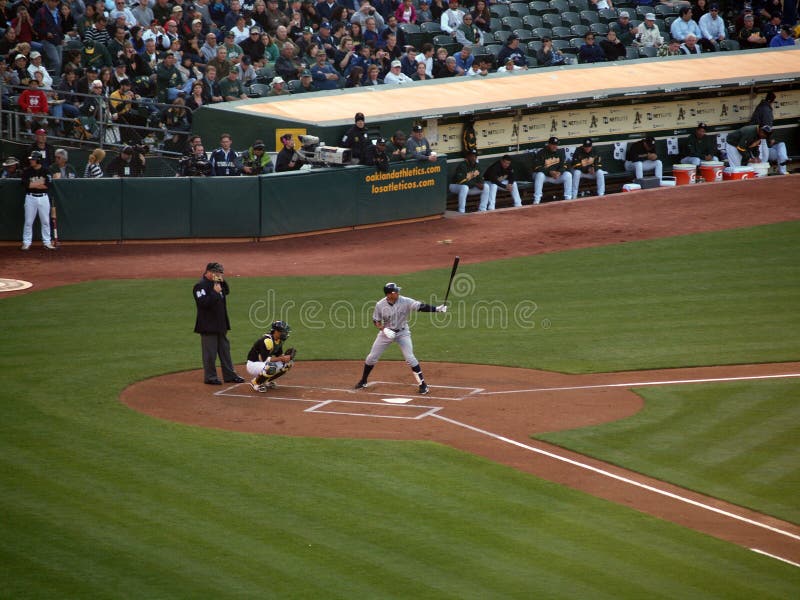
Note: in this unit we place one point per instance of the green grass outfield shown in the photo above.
(98, 501)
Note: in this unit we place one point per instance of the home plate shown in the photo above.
(397, 400)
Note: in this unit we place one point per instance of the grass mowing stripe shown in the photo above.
(705, 438)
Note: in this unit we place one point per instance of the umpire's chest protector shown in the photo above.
(212, 312)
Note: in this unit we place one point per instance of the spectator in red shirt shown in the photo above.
(33, 102)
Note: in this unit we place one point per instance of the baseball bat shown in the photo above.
(452, 275)
(54, 223)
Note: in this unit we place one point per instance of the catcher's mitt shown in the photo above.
(291, 352)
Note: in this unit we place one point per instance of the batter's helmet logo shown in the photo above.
(391, 287)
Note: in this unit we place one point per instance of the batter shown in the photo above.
(391, 318)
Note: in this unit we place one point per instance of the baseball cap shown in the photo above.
(125, 81)
(308, 30)
(255, 29)
(766, 128)
(129, 150)
(97, 83)
(714, 6)
(230, 34)
(553, 140)
(18, 56)
(325, 24)
(391, 287)
(35, 54)
(416, 128)
(215, 267)
(513, 36)
(360, 116)
(43, 132)
(702, 125)
(587, 142)
(195, 21)
(649, 138)
(380, 141)
(306, 73)
(650, 17)
(177, 8)
(278, 79)
(258, 145)
(396, 63)
(624, 14)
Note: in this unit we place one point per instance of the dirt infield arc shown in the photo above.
(489, 411)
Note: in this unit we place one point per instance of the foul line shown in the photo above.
(642, 384)
(618, 477)
(780, 558)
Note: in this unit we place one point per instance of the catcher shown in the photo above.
(267, 360)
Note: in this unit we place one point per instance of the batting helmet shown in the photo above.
(391, 287)
(282, 327)
(36, 155)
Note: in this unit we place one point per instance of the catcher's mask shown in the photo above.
(283, 328)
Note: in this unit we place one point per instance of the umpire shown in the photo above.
(213, 325)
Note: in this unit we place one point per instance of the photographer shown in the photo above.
(196, 164)
(129, 163)
(256, 160)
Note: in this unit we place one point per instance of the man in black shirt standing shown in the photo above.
(37, 201)
(213, 325)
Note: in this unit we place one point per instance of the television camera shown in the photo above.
(317, 153)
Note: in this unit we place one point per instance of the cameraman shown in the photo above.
(129, 163)
(288, 158)
(196, 164)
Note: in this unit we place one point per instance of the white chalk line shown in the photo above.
(642, 384)
(780, 558)
(632, 482)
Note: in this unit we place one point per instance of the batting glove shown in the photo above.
(441, 308)
(389, 333)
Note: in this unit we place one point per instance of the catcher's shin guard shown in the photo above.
(276, 372)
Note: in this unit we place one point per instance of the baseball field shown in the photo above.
(651, 339)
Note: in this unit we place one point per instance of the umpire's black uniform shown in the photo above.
(213, 325)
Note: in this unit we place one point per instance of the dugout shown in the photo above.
(515, 112)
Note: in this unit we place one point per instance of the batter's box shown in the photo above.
(352, 408)
(437, 392)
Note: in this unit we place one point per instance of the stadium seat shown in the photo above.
(579, 30)
(729, 45)
(532, 21)
(532, 62)
(589, 16)
(533, 47)
(499, 10)
(431, 27)
(511, 23)
(542, 32)
(648, 52)
(538, 7)
(501, 37)
(599, 28)
(493, 49)
(495, 24)
(564, 46)
(519, 9)
(665, 10)
(578, 5)
(259, 90)
(562, 33)
(561, 6)
(632, 53)
(552, 20)
(525, 35)
(608, 15)
(571, 18)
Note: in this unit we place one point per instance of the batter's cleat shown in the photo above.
(25, 247)
(359, 385)
(423, 388)
(49, 246)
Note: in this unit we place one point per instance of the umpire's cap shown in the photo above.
(391, 287)
(215, 267)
